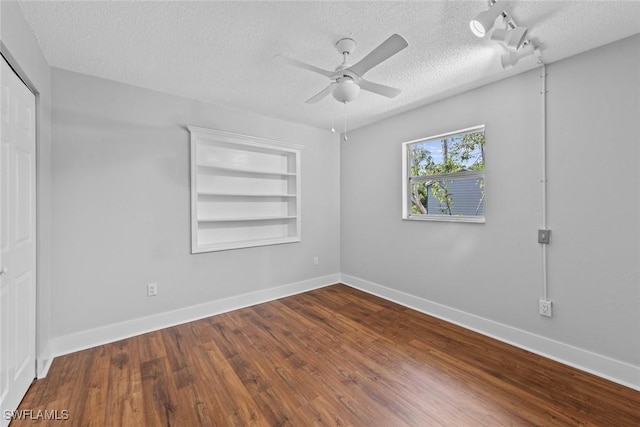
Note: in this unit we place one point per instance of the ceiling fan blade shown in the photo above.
(303, 65)
(386, 50)
(317, 97)
(388, 91)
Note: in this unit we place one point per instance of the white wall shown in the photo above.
(488, 276)
(21, 49)
(121, 211)
(594, 155)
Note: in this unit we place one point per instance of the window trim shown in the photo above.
(408, 180)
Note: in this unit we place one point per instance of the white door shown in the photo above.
(17, 241)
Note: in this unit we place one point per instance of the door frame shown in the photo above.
(40, 368)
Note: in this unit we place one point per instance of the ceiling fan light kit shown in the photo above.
(511, 36)
(345, 90)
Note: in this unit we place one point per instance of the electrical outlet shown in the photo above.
(316, 260)
(152, 289)
(544, 308)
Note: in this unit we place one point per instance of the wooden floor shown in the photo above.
(333, 356)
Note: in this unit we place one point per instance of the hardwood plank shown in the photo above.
(158, 394)
(330, 357)
(124, 388)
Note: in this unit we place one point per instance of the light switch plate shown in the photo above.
(544, 236)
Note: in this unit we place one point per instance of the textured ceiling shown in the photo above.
(223, 52)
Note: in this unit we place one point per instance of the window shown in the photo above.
(443, 177)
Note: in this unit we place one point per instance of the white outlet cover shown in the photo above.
(545, 308)
(152, 289)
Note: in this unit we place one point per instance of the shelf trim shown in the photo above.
(214, 135)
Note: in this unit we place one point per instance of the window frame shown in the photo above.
(408, 180)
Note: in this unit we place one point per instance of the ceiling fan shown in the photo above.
(347, 80)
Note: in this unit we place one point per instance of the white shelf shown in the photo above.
(250, 218)
(215, 194)
(244, 244)
(245, 191)
(247, 171)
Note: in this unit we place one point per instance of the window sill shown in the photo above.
(446, 218)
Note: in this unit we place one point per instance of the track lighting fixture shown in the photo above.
(484, 22)
(510, 59)
(512, 38)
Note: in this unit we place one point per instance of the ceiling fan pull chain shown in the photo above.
(333, 119)
(345, 121)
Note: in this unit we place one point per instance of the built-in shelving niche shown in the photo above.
(245, 191)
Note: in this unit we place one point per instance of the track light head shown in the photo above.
(510, 59)
(511, 38)
(484, 22)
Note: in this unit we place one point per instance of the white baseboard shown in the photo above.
(597, 364)
(106, 334)
(43, 364)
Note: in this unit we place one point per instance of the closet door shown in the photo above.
(17, 241)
